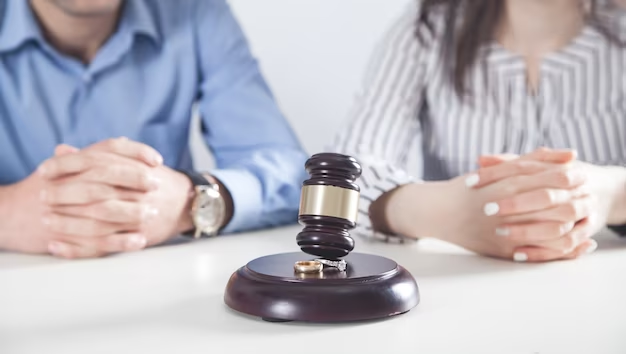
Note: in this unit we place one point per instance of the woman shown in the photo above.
(473, 78)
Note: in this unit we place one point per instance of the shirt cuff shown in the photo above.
(620, 230)
(246, 191)
(378, 178)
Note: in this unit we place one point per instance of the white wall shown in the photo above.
(313, 54)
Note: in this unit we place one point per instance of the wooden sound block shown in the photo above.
(372, 287)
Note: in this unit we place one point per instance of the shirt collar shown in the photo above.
(139, 20)
(18, 24)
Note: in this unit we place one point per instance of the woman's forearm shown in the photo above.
(411, 210)
(617, 214)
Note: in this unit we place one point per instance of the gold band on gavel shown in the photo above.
(330, 201)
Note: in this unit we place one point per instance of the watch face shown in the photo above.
(208, 210)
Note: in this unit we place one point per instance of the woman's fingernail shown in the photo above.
(57, 248)
(576, 177)
(503, 231)
(472, 180)
(520, 257)
(491, 209)
(136, 242)
(592, 247)
(565, 228)
(580, 192)
(560, 196)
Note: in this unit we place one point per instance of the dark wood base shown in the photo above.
(372, 287)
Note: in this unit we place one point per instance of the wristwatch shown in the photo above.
(208, 208)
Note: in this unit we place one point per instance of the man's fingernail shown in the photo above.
(520, 257)
(154, 159)
(42, 170)
(503, 231)
(43, 195)
(153, 182)
(491, 209)
(472, 180)
(565, 228)
(592, 247)
(150, 212)
(46, 220)
(136, 242)
(57, 248)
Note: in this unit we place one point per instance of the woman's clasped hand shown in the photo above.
(538, 207)
(541, 205)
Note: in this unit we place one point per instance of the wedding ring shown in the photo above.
(318, 275)
(341, 265)
(308, 267)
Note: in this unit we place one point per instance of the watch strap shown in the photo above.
(197, 178)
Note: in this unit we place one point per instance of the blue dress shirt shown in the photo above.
(164, 57)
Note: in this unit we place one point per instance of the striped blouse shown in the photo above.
(407, 99)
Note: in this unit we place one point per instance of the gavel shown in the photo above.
(329, 205)
(298, 286)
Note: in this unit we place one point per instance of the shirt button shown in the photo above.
(87, 78)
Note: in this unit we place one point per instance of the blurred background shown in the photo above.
(304, 46)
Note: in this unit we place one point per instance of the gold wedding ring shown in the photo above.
(308, 267)
(319, 275)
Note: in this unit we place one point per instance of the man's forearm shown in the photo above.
(264, 186)
(6, 210)
(5, 201)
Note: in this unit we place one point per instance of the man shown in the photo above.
(95, 108)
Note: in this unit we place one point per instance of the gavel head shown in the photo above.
(329, 205)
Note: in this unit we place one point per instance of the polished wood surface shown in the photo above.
(372, 287)
(325, 236)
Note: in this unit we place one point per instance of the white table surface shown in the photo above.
(170, 300)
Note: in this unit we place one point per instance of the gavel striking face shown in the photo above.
(329, 205)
